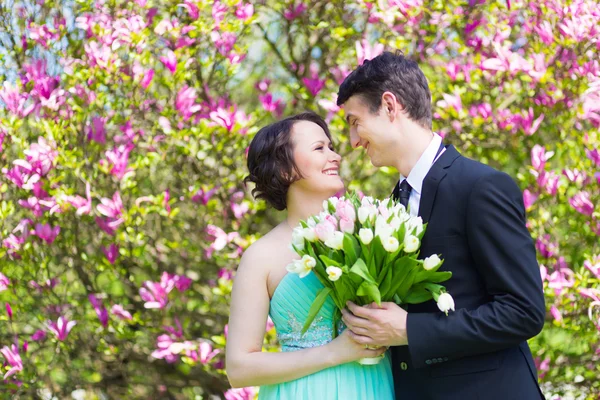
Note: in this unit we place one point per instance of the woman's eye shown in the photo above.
(319, 148)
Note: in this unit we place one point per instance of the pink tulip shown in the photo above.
(247, 393)
(582, 203)
(345, 210)
(4, 282)
(61, 328)
(100, 309)
(12, 357)
(120, 312)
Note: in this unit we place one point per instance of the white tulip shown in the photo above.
(445, 303)
(391, 244)
(334, 273)
(365, 235)
(411, 244)
(382, 228)
(309, 234)
(395, 223)
(367, 200)
(415, 222)
(302, 267)
(298, 237)
(336, 242)
(431, 262)
(363, 214)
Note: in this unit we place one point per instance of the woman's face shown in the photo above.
(315, 158)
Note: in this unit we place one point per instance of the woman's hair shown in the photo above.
(271, 159)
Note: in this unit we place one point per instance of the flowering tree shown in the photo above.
(122, 132)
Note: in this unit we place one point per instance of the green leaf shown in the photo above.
(329, 262)
(371, 291)
(316, 307)
(360, 268)
(418, 294)
(351, 249)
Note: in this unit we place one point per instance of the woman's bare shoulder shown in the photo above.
(268, 251)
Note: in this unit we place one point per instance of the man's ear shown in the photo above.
(390, 105)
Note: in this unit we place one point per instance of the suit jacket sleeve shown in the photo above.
(503, 252)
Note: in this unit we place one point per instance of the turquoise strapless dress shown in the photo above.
(289, 307)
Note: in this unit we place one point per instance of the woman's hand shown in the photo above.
(344, 350)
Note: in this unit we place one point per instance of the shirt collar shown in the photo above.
(419, 171)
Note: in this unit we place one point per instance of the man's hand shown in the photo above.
(376, 326)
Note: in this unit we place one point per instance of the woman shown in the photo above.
(294, 167)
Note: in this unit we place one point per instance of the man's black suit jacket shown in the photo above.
(476, 222)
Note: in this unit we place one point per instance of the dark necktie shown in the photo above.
(404, 193)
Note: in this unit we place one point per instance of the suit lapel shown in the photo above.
(432, 180)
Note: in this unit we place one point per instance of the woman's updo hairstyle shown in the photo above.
(271, 159)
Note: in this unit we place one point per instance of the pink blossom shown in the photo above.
(111, 252)
(11, 355)
(364, 51)
(97, 131)
(543, 366)
(39, 335)
(112, 208)
(544, 31)
(594, 155)
(84, 206)
(593, 265)
(46, 232)
(574, 175)
(202, 196)
(163, 344)
(451, 101)
(155, 295)
(276, 107)
(120, 312)
(49, 284)
(206, 352)
(528, 124)
(218, 12)
(546, 247)
(314, 84)
(225, 274)
(185, 103)
(539, 156)
(170, 61)
(224, 41)
(219, 237)
(529, 198)
(294, 11)
(100, 309)
(560, 279)
(581, 202)
(226, 117)
(41, 156)
(556, 314)
(117, 158)
(549, 181)
(191, 8)
(9, 311)
(244, 11)
(61, 328)
(22, 175)
(147, 78)
(4, 282)
(15, 101)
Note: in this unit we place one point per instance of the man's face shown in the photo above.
(375, 132)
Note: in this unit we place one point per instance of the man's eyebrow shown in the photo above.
(348, 116)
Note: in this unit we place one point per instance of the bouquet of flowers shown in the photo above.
(365, 250)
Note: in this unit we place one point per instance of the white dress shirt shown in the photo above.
(419, 172)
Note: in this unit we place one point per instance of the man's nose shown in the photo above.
(354, 138)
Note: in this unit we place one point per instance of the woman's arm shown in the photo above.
(246, 364)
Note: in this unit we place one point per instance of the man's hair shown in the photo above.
(271, 159)
(390, 72)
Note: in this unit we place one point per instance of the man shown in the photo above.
(476, 223)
